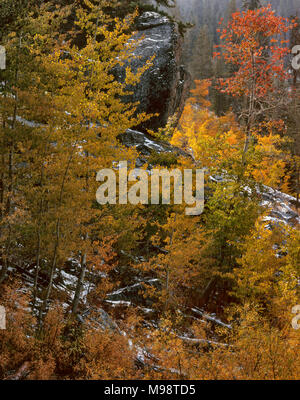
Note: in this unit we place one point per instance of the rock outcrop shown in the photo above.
(283, 207)
(164, 87)
(147, 146)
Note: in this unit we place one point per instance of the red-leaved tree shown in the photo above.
(254, 44)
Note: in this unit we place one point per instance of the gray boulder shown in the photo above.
(164, 87)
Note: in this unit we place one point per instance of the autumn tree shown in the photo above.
(217, 143)
(268, 270)
(260, 75)
(59, 128)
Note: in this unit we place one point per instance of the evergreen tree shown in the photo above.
(251, 4)
(232, 8)
(201, 64)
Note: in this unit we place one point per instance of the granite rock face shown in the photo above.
(164, 87)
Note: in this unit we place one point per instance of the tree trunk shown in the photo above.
(79, 285)
(56, 246)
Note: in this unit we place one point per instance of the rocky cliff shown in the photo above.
(164, 87)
